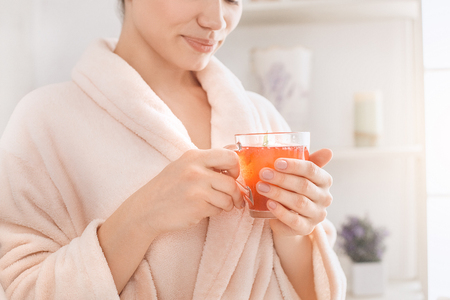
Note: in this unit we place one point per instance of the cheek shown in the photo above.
(144, 17)
(233, 17)
(174, 12)
(158, 15)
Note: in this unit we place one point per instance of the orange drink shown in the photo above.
(257, 151)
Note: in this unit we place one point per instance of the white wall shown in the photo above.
(41, 40)
(63, 30)
(16, 63)
(350, 57)
(347, 57)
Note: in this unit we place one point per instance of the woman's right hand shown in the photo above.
(189, 190)
(185, 192)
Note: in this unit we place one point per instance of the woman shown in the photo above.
(109, 182)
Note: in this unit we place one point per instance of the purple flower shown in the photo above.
(358, 231)
(279, 83)
(361, 241)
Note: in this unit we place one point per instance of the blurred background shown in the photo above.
(370, 79)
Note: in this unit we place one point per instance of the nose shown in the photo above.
(212, 15)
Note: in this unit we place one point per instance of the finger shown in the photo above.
(240, 181)
(242, 186)
(299, 224)
(227, 185)
(303, 168)
(220, 200)
(321, 157)
(299, 185)
(232, 147)
(293, 201)
(222, 159)
(211, 207)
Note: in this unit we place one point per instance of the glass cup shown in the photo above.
(261, 150)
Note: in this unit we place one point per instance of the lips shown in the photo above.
(201, 45)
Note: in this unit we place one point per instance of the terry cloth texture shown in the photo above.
(74, 151)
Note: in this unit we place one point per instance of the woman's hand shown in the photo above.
(185, 192)
(299, 193)
(191, 189)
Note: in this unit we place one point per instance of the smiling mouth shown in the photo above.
(201, 45)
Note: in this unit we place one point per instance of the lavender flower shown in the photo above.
(361, 241)
(279, 84)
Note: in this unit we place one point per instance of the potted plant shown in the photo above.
(365, 246)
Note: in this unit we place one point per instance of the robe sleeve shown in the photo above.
(329, 279)
(48, 249)
(2, 293)
(270, 118)
(41, 254)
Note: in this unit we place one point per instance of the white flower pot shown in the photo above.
(368, 278)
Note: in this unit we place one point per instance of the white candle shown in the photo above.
(368, 118)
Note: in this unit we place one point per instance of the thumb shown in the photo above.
(321, 157)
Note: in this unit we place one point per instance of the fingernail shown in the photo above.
(265, 188)
(267, 174)
(272, 205)
(281, 164)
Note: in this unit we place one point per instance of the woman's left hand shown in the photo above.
(299, 193)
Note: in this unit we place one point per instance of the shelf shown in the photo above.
(377, 152)
(301, 11)
(396, 290)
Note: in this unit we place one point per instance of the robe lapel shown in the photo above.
(103, 75)
(232, 112)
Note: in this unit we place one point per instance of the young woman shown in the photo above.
(109, 185)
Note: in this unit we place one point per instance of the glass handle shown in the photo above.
(248, 192)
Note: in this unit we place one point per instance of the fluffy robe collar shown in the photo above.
(120, 90)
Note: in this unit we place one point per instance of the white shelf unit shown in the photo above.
(396, 290)
(378, 152)
(296, 11)
(357, 45)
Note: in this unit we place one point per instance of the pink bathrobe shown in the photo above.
(73, 152)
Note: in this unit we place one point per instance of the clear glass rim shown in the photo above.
(273, 139)
(272, 133)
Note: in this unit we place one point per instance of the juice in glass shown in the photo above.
(254, 157)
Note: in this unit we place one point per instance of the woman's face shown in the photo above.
(183, 33)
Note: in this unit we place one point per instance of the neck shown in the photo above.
(158, 73)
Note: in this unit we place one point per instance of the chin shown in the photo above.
(199, 65)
